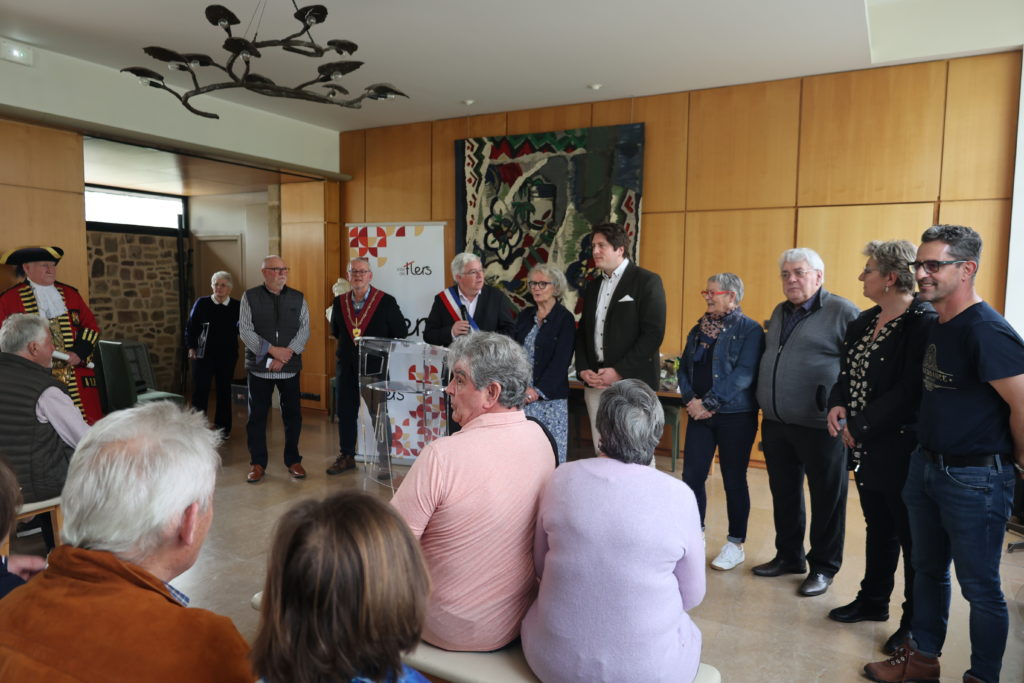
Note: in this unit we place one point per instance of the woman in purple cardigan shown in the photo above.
(620, 557)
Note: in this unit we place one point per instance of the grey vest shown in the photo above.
(33, 449)
(275, 317)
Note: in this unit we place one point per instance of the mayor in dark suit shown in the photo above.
(364, 311)
(623, 321)
(467, 305)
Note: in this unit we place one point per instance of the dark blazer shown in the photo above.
(633, 328)
(493, 314)
(387, 321)
(552, 351)
(887, 427)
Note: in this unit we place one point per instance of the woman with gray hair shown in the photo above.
(716, 380)
(547, 331)
(620, 558)
(873, 406)
(211, 337)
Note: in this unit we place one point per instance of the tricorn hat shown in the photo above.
(18, 257)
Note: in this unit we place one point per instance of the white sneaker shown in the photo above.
(731, 555)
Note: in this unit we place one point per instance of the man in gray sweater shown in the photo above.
(799, 366)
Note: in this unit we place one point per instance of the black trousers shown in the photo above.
(347, 402)
(888, 531)
(260, 393)
(790, 452)
(205, 372)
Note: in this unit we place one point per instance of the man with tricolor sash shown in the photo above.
(468, 305)
(365, 311)
(72, 324)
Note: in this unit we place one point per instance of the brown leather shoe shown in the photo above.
(255, 474)
(343, 463)
(907, 665)
(297, 471)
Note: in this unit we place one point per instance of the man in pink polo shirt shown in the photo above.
(472, 497)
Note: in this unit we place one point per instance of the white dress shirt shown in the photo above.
(604, 300)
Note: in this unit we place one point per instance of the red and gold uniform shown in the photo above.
(74, 330)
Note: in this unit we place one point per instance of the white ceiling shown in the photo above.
(505, 55)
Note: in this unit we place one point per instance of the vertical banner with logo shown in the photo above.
(408, 263)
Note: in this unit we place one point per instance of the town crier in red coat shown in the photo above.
(72, 324)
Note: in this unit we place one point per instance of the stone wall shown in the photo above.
(133, 287)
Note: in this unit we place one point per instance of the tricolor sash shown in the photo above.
(450, 299)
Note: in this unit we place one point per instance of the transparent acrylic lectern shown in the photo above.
(402, 388)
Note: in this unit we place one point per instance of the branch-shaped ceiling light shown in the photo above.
(238, 67)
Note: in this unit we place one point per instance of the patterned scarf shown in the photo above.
(711, 326)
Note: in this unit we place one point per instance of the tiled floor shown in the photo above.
(754, 629)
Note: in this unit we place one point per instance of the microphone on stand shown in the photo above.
(60, 355)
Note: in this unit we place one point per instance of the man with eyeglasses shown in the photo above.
(623, 322)
(959, 488)
(365, 311)
(273, 322)
(800, 364)
(468, 305)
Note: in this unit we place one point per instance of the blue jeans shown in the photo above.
(733, 434)
(959, 514)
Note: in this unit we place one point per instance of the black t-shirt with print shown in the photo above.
(961, 414)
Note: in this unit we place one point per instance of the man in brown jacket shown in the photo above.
(138, 502)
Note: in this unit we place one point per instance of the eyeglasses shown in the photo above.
(798, 273)
(538, 284)
(358, 272)
(930, 266)
(474, 272)
(277, 270)
(708, 293)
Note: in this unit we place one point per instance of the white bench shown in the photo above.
(507, 665)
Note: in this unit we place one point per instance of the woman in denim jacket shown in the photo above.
(717, 372)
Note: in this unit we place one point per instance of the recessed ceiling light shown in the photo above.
(468, 102)
(594, 86)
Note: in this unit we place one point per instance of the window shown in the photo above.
(130, 208)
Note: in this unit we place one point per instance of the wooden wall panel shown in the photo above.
(442, 165)
(991, 218)
(743, 146)
(486, 125)
(398, 165)
(612, 112)
(311, 244)
(722, 241)
(302, 247)
(873, 136)
(44, 217)
(661, 250)
(665, 123)
(353, 162)
(303, 202)
(839, 234)
(39, 157)
(549, 118)
(980, 135)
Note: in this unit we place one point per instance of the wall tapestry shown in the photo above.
(529, 199)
